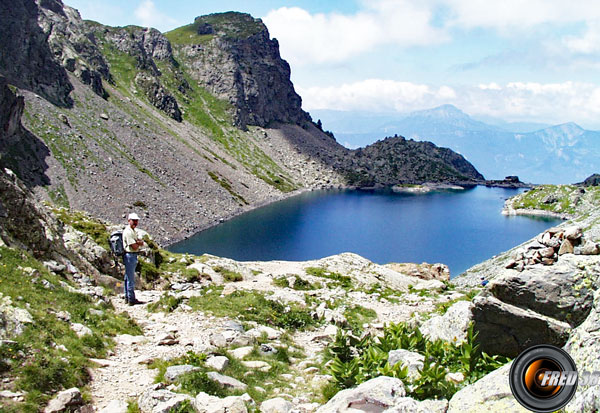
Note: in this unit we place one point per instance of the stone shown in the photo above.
(218, 340)
(548, 292)
(154, 400)
(375, 395)
(272, 334)
(452, 326)
(267, 350)
(257, 365)
(173, 372)
(205, 403)
(507, 330)
(410, 359)
(115, 406)
(590, 248)
(81, 330)
(65, 401)
(573, 233)
(409, 405)
(455, 377)
(566, 247)
(218, 363)
(167, 340)
(547, 252)
(240, 353)
(12, 319)
(226, 381)
(104, 116)
(276, 405)
(489, 394)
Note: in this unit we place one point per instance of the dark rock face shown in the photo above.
(593, 180)
(159, 96)
(243, 65)
(399, 161)
(536, 306)
(27, 60)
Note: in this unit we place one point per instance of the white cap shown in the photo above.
(133, 215)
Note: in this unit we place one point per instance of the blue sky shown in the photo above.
(519, 60)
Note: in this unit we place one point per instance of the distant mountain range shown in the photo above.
(537, 153)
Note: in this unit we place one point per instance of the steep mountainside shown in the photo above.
(187, 128)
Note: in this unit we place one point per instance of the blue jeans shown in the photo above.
(130, 260)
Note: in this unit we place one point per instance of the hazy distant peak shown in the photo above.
(442, 112)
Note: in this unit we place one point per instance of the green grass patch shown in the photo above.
(226, 184)
(79, 220)
(298, 283)
(338, 279)
(229, 275)
(167, 303)
(37, 361)
(253, 306)
(357, 315)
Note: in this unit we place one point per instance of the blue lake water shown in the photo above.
(457, 228)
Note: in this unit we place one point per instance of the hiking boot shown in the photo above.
(135, 302)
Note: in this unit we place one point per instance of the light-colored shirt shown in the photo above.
(130, 236)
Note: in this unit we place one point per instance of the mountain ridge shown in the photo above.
(186, 132)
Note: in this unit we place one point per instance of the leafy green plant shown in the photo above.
(339, 279)
(356, 360)
(229, 275)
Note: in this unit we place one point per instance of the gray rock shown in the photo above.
(573, 233)
(115, 406)
(590, 248)
(65, 401)
(506, 329)
(81, 330)
(452, 326)
(240, 353)
(205, 403)
(410, 359)
(276, 405)
(161, 400)
(55, 266)
(408, 405)
(12, 319)
(375, 395)
(173, 372)
(226, 381)
(489, 394)
(557, 292)
(218, 363)
(566, 247)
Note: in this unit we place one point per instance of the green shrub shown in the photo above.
(339, 279)
(357, 360)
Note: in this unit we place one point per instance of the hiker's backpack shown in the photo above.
(116, 243)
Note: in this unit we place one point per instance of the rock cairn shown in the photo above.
(550, 245)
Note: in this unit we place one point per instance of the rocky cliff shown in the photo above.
(187, 128)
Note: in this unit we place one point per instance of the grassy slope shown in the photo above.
(561, 199)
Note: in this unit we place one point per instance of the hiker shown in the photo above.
(132, 241)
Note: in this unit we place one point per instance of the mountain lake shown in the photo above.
(456, 228)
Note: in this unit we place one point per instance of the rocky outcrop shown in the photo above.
(423, 271)
(452, 326)
(508, 182)
(592, 180)
(535, 306)
(397, 160)
(27, 60)
(490, 394)
(240, 63)
(158, 95)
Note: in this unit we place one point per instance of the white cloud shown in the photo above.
(318, 38)
(149, 16)
(519, 14)
(516, 101)
(588, 43)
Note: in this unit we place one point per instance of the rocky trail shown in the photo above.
(125, 375)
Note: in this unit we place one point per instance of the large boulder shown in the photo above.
(507, 329)
(411, 360)
(374, 395)
(13, 320)
(452, 326)
(583, 346)
(489, 394)
(540, 305)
